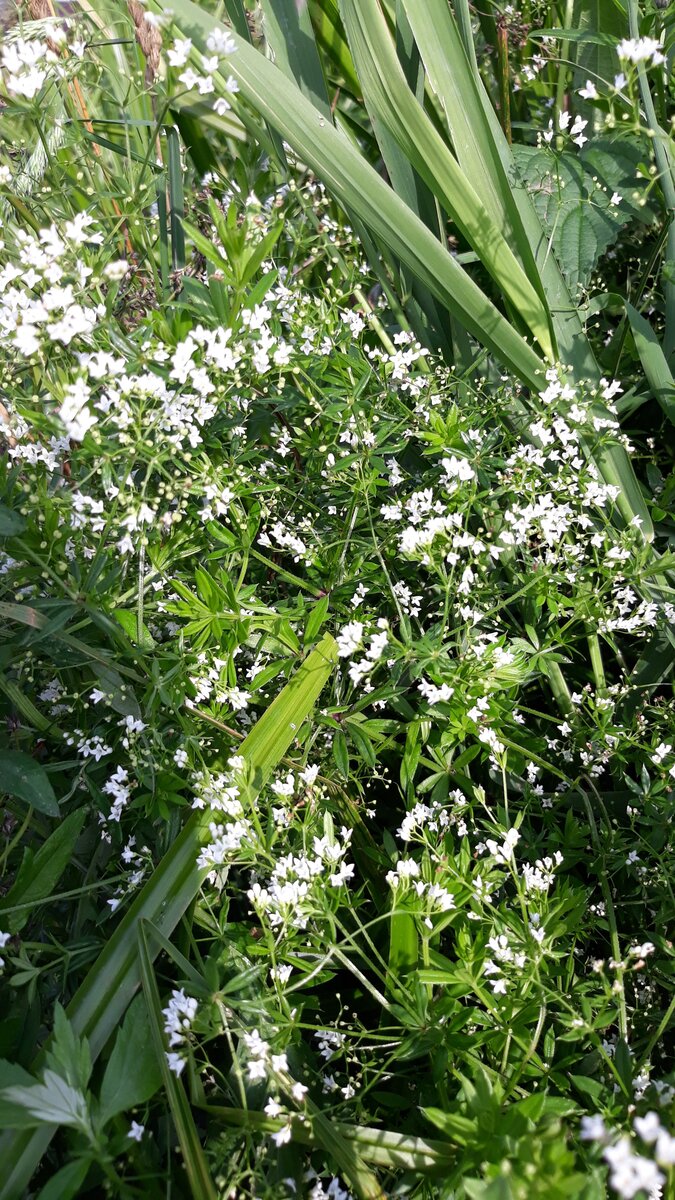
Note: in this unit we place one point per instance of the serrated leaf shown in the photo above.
(52, 1102)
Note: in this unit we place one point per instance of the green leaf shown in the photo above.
(11, 522)
(128, 620)
(289, 34)
(341, 754)
(389, 98)
(576, 213)
(52, 1102)
(446, 45)
(457, 1127)
(67, 1182)
(68, 1055)
(42, 871)
(315, 620)
(23, 777)
(132, 1074)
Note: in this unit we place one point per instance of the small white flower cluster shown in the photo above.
(435, 693)
(92, 746)
(540, 877)
(502, 852)
(298, 886)
(30, 322)
(663, 751)
(25, 65)
(220, 793)
(641, 50)
(630, 1172)
(575, 133)
(263, 1064)
(178, 1015)
(434, 817)
(503, 954)
(433, 897)
(220, 44)
(136, 863)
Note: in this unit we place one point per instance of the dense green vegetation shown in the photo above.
(336, 560)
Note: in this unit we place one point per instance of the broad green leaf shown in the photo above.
(66, 1183)
(360, 189)
(68, 1055)
(128, 620)
(11, 522)
(40, 872)
(98, 1006)
(132, 1074)
(23, 777)
(572, 195)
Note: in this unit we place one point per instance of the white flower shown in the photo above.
(179, 52)
(592, 1129)
(434, 694)
(589, 91)
(117, 269)
(136, 1132)
(665, 1149)
(175, 1062)
(648, 1127)
(220, 41)
(283, 1135)
(4, 938)
(256, 1069)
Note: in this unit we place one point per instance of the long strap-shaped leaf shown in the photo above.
(361, 190)
(389, 99)
(290, 37)
(485, 157)
(98, 1005)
